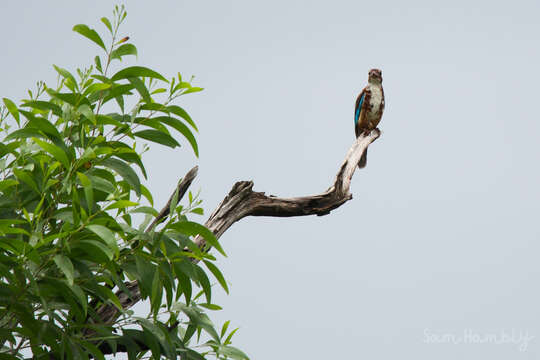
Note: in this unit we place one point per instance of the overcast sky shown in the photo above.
(436, 257)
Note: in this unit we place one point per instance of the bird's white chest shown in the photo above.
(376, 99)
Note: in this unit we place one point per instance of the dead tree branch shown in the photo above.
(242, 201)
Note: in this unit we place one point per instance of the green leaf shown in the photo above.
(107, 24)
(101, 184)
(80, 296)
(144, 210)
(91, 34)
(70, 98)
(97, 61)
(67, 75)
(127, 154)
(153, 123)
(24, 134)
(174, 109)
(177, 110)
(232, 352)
(156, 294)
(160, 335)
(159, 91)
(88, 189)
(146, 193)
(94, 350)
(205, 283)
(105, 234)
(137, 71)
(12, 230)
(184, 282)
(192, 89)
(126, 172)
(64, 214)
(121, 204)
(117, 91)
(55, 151)
(87, 112)
(12, 108)
(141, 88)
(88, 155)
(182, 85)
(85, 181)
(123, 50)
(27, 179)
(198, 211)
(4, 184)
(174, 202)
(65, 265)
(210, 306)
(224, 328)
(95, 250)
(97, 87)
(44, 105)
(229, 337)
(107, 120)
(181, 128)
(119, 101)
(198, 319)
(104, 293)
(102, 78)
(145, 275)
(42, 124)
(217, 273)
(157, 137)
(193, 228)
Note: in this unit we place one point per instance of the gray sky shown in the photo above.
(441, 238)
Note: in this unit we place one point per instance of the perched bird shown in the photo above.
(369, 108)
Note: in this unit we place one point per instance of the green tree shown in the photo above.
(78, 227)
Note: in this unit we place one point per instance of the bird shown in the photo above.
(369, 108)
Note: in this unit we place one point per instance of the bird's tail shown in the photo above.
(363, 160)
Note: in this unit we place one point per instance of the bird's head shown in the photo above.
(375, 76)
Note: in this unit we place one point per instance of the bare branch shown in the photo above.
(242, 201)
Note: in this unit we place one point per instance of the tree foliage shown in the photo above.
(74, 218)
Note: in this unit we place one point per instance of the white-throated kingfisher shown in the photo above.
(369, 108)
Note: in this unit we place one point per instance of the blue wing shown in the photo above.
(359, 103)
